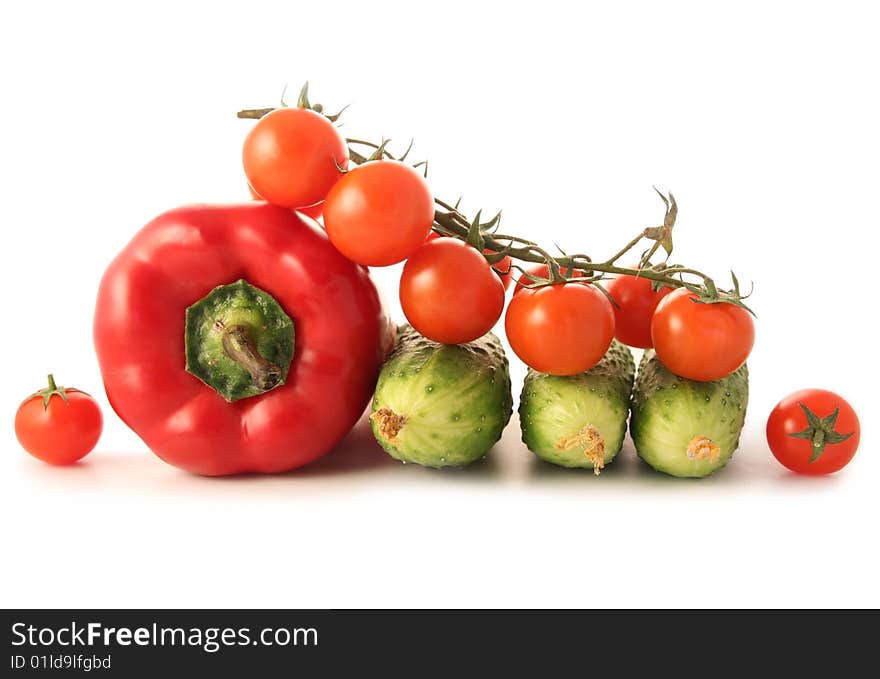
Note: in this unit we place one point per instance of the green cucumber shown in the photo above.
(686, 428)
(441, 405)
(579, 421)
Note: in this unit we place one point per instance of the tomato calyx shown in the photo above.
(51, 390)
(378, 154)
(239, 341)
(476, 237)
(302, 101)
(540, 276)
(479, 231)
(475, 233)
(820, 431)
(710, 294)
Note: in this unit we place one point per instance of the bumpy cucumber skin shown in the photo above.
(668, 411)
(456, 399)
(553, 407)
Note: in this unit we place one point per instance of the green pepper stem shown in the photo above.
(241, 348)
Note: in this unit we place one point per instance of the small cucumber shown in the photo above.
(441, 405)
(579, 421)
(686, 428)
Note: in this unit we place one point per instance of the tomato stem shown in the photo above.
(255, 113)
(449, 221)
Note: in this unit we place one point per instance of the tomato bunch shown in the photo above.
(381, 212)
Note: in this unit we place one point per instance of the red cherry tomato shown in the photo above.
(379, 213)
(561, 329)
(636, 301)
(540, 271)
(58, 425)
(290, 157)
(703, 342)
(449, 293)
(501, 267)
(813, 431)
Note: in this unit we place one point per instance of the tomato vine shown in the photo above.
(450, 221)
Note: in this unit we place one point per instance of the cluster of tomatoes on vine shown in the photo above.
(382, 212)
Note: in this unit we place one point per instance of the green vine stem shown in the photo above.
(449, 221)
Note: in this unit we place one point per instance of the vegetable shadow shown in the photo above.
(624, 466)
(750, 467)
(358, 452)
(485, 470)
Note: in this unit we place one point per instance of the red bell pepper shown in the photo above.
(237, 338)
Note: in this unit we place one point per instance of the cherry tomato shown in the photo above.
(703, 342)
(501, 267)
(540, 271)
(813, 431)
(449, 293)
(561, 329)
(58, 425)
(379, 213)
(290, 157)
(636, 301)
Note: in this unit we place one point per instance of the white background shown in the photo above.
(761, 118)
